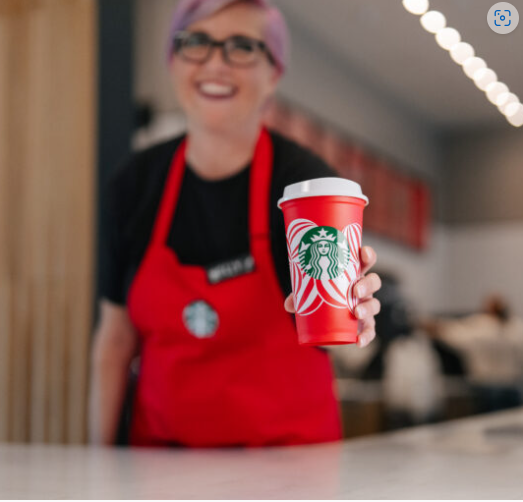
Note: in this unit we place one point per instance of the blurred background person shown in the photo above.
(491, 345)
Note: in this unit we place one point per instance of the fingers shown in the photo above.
(366, 336)
(368, 258)
(365, 312)
(289, 304)
(368, 306)
(368, 286)
(368, 309)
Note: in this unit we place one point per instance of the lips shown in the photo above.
(216, 90)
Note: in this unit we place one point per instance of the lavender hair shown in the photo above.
(276, 37)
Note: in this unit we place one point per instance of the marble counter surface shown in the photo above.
(479, 457)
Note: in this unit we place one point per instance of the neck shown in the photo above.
(220, 154)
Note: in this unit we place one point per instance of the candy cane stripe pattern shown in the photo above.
(306, 298)
(324, 265)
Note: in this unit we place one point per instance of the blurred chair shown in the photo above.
(413, 386)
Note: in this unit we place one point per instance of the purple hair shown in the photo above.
(276, 36)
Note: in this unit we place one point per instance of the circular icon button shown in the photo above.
(503, 18)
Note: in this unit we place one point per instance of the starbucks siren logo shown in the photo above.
(324, 253)
(325, 265)
(200, 319)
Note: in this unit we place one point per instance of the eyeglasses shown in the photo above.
(238, 50)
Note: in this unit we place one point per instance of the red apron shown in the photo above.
(220, 363)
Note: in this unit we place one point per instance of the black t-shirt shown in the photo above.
(210, 225)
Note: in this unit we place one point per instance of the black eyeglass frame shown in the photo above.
(181, 36)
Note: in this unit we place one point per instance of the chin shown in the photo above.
(220, 122)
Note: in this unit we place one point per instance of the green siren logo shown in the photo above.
(324, 253)
(324, 264)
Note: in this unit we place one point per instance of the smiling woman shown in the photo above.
(213, 89)
(220, 363)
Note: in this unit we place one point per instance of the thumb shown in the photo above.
(289, 304)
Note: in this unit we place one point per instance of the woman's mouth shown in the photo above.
(215, 90)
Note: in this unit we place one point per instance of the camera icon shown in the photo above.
(503, 18)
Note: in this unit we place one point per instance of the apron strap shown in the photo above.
(171, 191)
(260, 187)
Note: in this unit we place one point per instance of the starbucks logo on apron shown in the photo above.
(325, 265)
(324, 253)
(200, 319)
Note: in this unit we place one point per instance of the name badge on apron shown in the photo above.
(230, 269)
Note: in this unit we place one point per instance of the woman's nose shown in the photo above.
(217, 59)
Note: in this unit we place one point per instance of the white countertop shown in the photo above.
(456, 459)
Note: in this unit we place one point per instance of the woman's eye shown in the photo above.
(244, 45)
(197, 40)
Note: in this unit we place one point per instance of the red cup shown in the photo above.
(323, 224)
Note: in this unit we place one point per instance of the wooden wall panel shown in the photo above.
(47, 174)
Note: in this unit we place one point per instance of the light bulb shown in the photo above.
(447, 38)
(433, 21)
(472, 65)
(494, 89)
(503, 98)
(510, 98)
(512, 108)
(484, 77)
(417, 7)
(461, 52)
(516, 118)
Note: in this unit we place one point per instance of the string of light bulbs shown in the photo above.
(464, 54)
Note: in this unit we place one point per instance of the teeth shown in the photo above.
(214, 89)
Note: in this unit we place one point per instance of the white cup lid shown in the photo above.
(323, 186)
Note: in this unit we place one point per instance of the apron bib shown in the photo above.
(220, 363)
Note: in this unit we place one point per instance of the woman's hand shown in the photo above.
(368, 306)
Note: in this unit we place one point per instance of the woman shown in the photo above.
(198, 261)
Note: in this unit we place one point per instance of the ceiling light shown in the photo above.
(494, 90)
(504, 98)
(433, 21)
(516, 116)
(484, 77)
(417, 7)
(472, 65)
(461, 52)
(510, 98)
(447, 38)
(512, 109)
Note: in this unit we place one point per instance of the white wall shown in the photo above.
(484, 176)
(484, 259)
(423, 275)
(151, 79)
